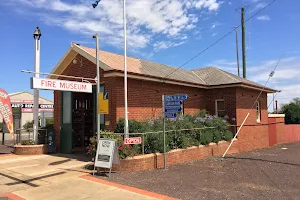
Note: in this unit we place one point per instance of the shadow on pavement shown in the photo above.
(262, 160)
(60, 162)
(28, 181)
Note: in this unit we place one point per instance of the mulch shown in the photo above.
(271, 173)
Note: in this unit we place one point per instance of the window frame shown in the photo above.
(258, 112)
(216, 107)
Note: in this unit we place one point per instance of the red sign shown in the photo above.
(133, 140)
(6, 111)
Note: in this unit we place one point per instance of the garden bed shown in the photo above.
(31, 149)
(156, 160)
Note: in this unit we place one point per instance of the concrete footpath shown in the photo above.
(59, 177)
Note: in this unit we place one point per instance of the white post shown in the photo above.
(98, 84)
(164, 130)
(125, 73)
(36, 91)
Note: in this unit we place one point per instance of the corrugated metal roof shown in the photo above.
(209, 76)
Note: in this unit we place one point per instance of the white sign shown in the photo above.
(107, 153)
(51, 84)
(133, 140)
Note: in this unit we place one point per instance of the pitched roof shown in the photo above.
(143, 67)
(207, 77)
(214, 76)
(18, 93)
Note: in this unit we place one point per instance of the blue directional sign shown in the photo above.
(170, 115)
(173, 103)
(177, 97)
(173, 109)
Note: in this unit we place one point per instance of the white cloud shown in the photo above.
(165, 45)
(264, 18)
(169, 19)
(286, 77)
(214, 34)
(213, 26)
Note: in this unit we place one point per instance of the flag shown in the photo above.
(6, 111)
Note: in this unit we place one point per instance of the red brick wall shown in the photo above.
(229, 96)
(145, 98)
(156, 161)
(253, 135)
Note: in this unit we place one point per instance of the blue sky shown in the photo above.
(165, 31)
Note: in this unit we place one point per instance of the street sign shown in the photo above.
(170, 115)
(177, 97)
(173, 103)
(173, 109)
(133, 140)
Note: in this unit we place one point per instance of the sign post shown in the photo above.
(164, 131)
(172, 105)
(107, 154)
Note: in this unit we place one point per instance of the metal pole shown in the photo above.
(243, 43)
(164, 130)
(125, 72)
(237, 50)
(98, 84)
(36, 91)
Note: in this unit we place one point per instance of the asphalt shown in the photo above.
(271, 173)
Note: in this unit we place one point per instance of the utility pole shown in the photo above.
(243, 43)
(237, 50)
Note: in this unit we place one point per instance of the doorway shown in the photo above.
(78, 120)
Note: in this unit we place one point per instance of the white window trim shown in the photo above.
(258, 119)
(216, 106)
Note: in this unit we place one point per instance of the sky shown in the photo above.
(165, 31)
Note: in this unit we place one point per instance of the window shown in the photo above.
(258, 116)
(220, 108)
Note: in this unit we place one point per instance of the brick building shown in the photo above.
(219, 92)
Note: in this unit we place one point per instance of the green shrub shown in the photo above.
(28, 125)
(124, 150)
(194, 131)
(27, 142)
(228, 135)
(133, 125)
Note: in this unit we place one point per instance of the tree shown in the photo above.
(292, 111)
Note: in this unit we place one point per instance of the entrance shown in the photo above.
(78, 120)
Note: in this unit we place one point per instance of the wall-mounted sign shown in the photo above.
(28, 108)
(103, 103)
(133, 140)
(17, 101)
(51, 84)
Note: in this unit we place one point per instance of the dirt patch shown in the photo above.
(272, 173)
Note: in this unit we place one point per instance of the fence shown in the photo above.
(292, 132)
(22, 135)
(153, 142)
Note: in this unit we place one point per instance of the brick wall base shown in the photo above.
(31, 149)
(156, 161)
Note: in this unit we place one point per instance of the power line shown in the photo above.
(216, 42)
